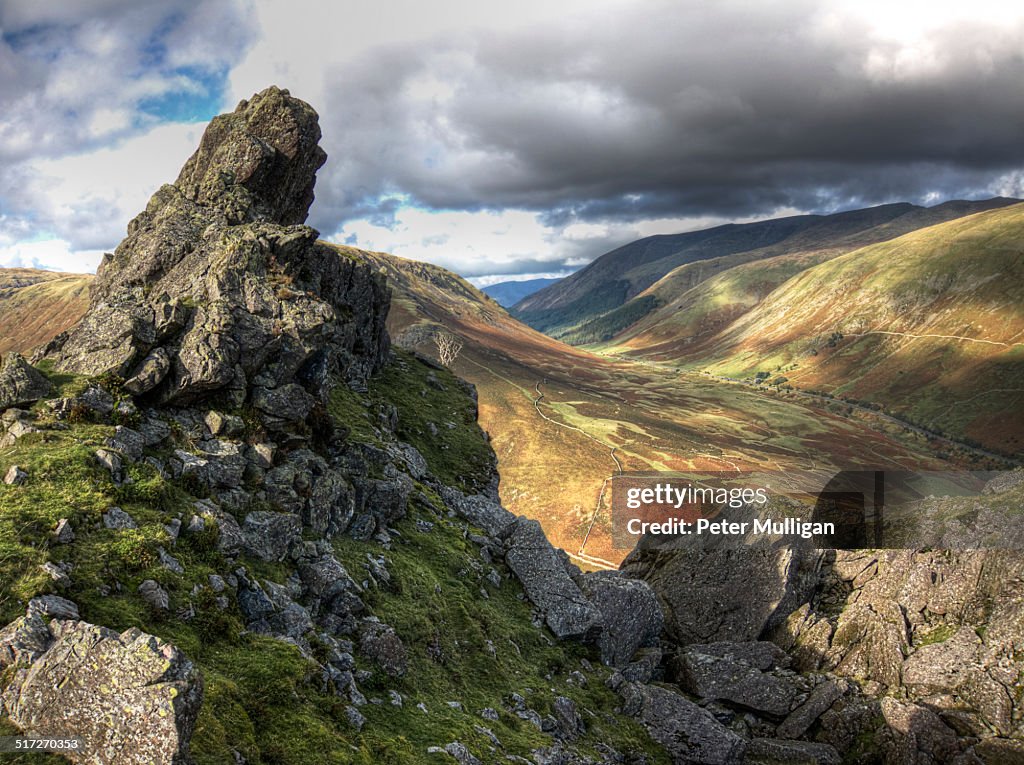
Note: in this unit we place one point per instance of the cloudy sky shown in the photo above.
(512, 138)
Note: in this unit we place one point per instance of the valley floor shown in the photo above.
(563, 425)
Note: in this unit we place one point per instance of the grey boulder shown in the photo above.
(548, 585)
(630, 613)
(131, 696)
(20, 383)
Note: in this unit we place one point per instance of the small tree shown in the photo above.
(448, 347)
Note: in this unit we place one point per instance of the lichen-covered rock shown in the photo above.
(53, 606)
(118, 519)
(150, 373)
(896, 597)
(129, 443)
(155, 595)
(759, 654)
(64, 533)
(380, 643)
(258, 162)
(385, 499)
(269, 536)
(768, 751)
(24, 640)
(824, 695)
(131, 697)
(20, 383)
(15, 476)
(917, 735)
(717, 677)
(689, 733)
(480, 511)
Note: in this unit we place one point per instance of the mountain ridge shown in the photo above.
(511, 292)
(622, 274)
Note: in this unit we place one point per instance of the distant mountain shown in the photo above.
(928, 325)
(580, 307)
(36, 305)
(510, 293)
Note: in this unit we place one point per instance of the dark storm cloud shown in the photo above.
(666, 109)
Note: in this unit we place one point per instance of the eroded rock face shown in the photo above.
(132, 697)
(219, 291)
(914, 654)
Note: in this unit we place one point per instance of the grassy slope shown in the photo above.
(262, 698)
(585, 307)
(655, 419)
(962, 279)
(690, 303)
(36, 305)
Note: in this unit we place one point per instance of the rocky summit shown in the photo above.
(219, 288)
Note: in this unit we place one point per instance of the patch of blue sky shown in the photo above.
(35, 41)
(199, 102)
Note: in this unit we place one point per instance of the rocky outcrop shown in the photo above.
(218, 290)
(20, 384)
(914, 620)
(132, 697)
(544, 573)
(733, 595)
(903, 656)
(727, 678)
(630, 615)
(217, 331)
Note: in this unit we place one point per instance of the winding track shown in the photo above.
(927, 337)
(581, 555)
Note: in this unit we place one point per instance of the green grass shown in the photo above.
(456, 449)
(939, 634)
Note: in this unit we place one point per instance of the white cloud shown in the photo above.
(76, 74)
(87, 200)
(490, 112)
(487, 281)
(509, 245)
(474, 243)
(49, 254)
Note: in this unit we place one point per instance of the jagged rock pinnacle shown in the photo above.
(259, 162)
(218, 291)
